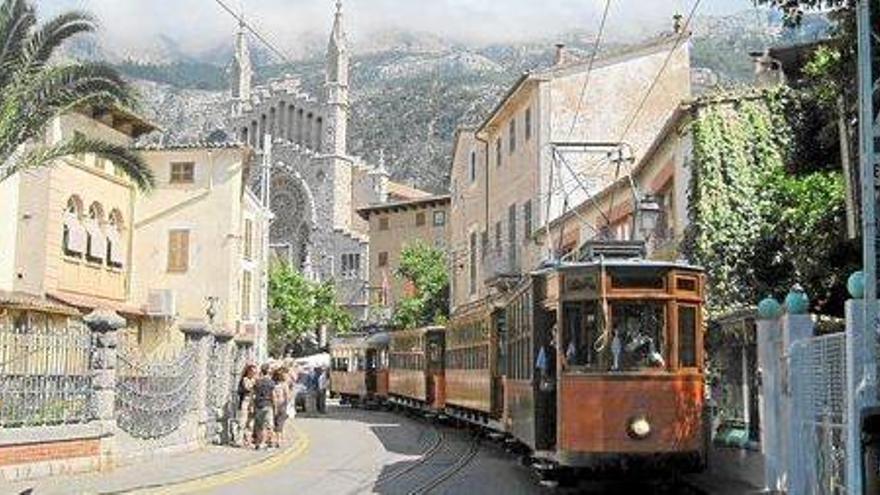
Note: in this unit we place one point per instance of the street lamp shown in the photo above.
(646, 218)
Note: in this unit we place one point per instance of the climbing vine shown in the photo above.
(755, 228)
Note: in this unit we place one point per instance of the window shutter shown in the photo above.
(76, 237)
(98, 244)
(178, 251)
(114, 247)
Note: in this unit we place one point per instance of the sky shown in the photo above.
(201, 24)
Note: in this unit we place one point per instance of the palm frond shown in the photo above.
(17, 19)
(129, 161)
(49, 37)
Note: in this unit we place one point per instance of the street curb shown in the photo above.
(222, 476)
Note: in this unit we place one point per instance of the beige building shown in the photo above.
(66, 238)
(507, 179)
(200, 234)
(80, 236)
(392, 227)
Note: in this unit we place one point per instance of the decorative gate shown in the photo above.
(152, 397)
(817, 377)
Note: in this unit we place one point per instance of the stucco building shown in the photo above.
(393, 226)
(509, 177)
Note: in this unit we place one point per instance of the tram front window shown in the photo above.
(631, 341)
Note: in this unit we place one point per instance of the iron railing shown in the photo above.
(44, 375)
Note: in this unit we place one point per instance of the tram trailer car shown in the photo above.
(415, 371)
(359, 368)
(619, 382)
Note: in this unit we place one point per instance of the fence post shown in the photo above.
(104, 325)
(797, 326)
(198, 341)
(769, 336)
(856, 398)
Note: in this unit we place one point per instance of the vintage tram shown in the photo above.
(415, 371)
(359, 368)
(604, 364)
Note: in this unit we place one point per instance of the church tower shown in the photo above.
(336, 87)
(242, 72)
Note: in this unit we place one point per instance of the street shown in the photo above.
(358, 451)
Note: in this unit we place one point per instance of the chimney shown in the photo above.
(560, 54)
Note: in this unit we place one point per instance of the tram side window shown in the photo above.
(687, 336)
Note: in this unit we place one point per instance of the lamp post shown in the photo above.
(645, 218)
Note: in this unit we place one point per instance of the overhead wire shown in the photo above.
(242, 22)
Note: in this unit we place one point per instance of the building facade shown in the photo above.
(544, 149)
(393, 226)
(316, 185)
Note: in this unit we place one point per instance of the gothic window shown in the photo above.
(114, 254)
(511, 233)
(473, 166)
(319, 131)
(244, 138)
(527, 220)
(498, 152)
(262, 132)
(351, 265)
(73, 241)
(94, 235)
(300, 123)
(253, 136)
(309, 130)
(291, 122)
(484, 244)
(304, 235)
(272, 119)
(473, 263)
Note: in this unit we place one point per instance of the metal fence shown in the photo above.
(817, 377)
(44, 375)
(152, 397)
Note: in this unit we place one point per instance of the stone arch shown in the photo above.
(295, 212)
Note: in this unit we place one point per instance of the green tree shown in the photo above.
(298, 305)
(33, 92)
(423, 266)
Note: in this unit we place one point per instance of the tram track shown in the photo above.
(423, 458)
(473, 448)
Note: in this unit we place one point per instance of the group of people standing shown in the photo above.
(266, 399)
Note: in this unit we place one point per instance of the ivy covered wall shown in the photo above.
(754, 226)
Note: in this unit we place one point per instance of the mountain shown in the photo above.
(410, 90)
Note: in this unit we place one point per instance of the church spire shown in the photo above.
(336, 87)
(242, 70)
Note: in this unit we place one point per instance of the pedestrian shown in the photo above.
(246, 404)
(323, 383)
(280, 400)
(264, 407)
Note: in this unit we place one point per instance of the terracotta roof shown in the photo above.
(366, 211)
(23, 300)
(404, 192)
(85, 302)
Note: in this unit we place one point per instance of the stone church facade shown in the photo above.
(316, 186)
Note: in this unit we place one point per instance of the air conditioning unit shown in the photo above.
(161, 303)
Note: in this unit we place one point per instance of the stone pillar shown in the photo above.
(198, 341)
(795, 328)
(769, 336)
(104, 325)
(859, 385)
(224, 384)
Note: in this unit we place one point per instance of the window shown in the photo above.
(94, 235)
(473, 263)
(383, 223)
(114, 240)
(248, 239)
(638, 326)
(527, 221)
(528, 124)
(383, 258)
(73, 242)
(182, 173)
(246, 284)
(473, 166)
(420, 219)
(511, 234)
(439, 218)
(580, 333)
(351, 265)
(687, 336)
(498, 152)
(484, 244)
(178, 250)
(498, 236)
(512, 136)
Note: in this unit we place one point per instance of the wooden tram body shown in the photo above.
(415, 371)
(358, 369)
(623, 345)
(473, 376)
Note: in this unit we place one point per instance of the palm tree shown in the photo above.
(33, 92)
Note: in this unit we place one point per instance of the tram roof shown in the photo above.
(618, 263)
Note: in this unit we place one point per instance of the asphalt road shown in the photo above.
(353, 451)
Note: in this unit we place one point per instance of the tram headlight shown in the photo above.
(638, 428)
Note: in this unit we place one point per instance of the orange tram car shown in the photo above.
(595, 364)
(359, 368)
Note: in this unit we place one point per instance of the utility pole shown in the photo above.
(864, 394)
